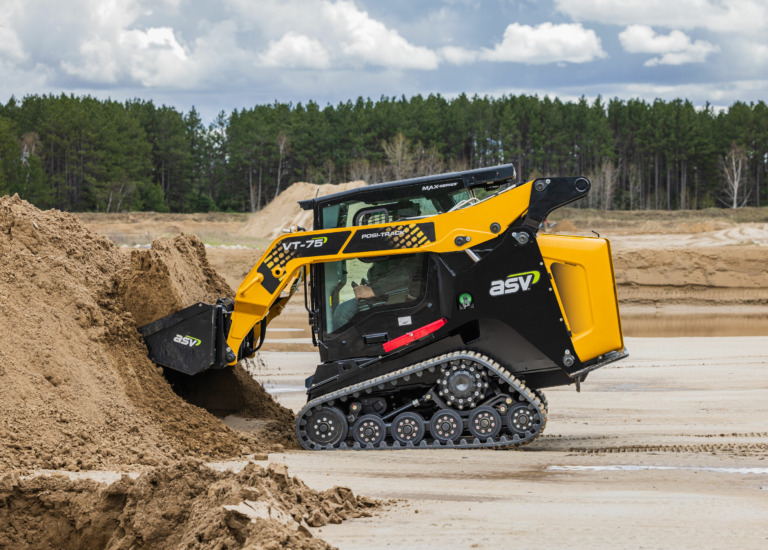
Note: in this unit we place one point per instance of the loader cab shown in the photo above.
(359, 303)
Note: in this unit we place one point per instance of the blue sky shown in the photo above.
(227, 54)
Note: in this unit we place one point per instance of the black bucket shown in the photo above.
(191, 341)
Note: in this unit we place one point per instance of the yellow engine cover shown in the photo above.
(584, 281)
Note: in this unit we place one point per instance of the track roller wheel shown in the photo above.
(369, 430)
(522, 418)
(327, 426)
(408, 427)
(484, 422)
(446, 425)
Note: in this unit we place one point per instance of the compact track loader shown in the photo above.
(439, 311)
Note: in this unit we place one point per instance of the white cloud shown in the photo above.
(350, 36)
(141, 43)
(736, 16)
(365, 39)
(295, 51)
(97, 62)
(155, 57)
(675, 48)
(546, 43)
(151, 57)
(457, 55)
(756, 55)
(156, 39)
(10, 45)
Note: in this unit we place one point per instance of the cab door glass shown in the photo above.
(356, 289)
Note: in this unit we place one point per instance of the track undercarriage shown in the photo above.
(461, 399)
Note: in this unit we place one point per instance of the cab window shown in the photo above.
(389, 283)
(408, 206)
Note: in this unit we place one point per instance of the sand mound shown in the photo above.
(77, 390)
(183, 506)
(284, 211)
(565, 226)
(172, 275)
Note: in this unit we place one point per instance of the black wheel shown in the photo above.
(522, 418)
(369, 429)
(327, 426)
(446, 425)
(408, 427)
(484, 422)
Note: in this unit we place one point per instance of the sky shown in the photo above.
(220, 55)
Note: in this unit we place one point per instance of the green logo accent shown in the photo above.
(193, 339)
(324, 239)
(535, 274)
(465, 300)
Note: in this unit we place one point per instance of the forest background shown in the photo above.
(86, 154)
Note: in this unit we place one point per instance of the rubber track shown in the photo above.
(431, 365)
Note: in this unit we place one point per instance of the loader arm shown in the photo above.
(525, 205)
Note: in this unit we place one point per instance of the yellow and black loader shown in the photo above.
(439, 310)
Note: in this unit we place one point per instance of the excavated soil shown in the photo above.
(170, 276)
(186, 505)
(77, 390)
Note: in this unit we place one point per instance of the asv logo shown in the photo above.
(187, 340)
(514, 283)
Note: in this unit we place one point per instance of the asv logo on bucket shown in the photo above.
(513, 283)
(187, 340)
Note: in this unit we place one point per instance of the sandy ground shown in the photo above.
(666, 449)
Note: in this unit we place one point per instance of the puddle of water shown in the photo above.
(714, 324)
(637, 468)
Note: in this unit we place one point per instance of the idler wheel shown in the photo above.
(484, 422)
(446, 425)
(522, 418)
(327, 426)
(369, 430)
(408, 427)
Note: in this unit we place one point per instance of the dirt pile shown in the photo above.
(284, 211)
(186, 505)
(170, 276)
(565, 226)
(77, 390)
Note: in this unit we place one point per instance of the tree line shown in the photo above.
(86, 154)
